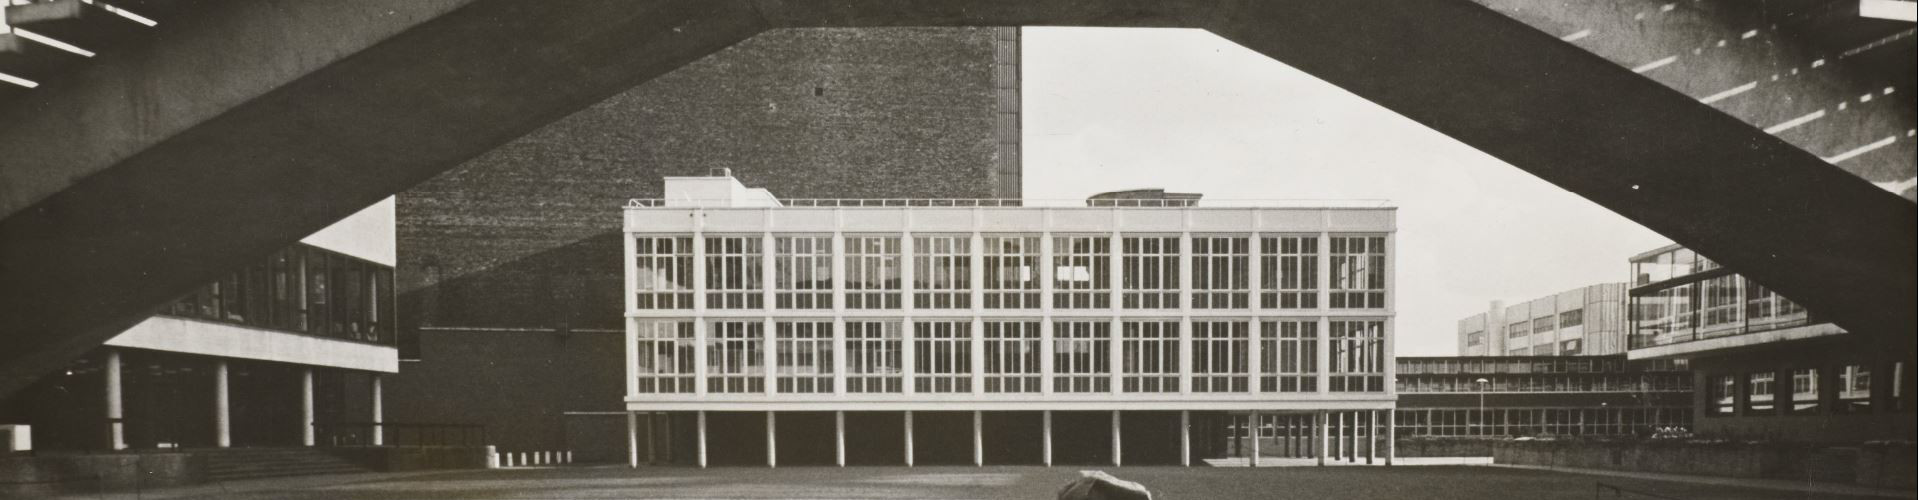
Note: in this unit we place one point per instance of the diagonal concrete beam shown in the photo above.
(254, 123)
(187, 161)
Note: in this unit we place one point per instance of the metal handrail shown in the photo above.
(639, 203)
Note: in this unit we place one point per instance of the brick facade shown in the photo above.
(516, 253)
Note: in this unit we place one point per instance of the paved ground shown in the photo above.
(1398, 483)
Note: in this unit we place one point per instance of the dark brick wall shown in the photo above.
(524, 240)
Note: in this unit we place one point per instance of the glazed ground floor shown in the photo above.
(1845, 389)
(1037, 437)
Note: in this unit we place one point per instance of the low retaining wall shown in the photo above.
(24, 476)
(412, 458)
(1871, 465)
(1445, 447)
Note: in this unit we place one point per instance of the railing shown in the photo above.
(637, 203)
(1618, 492)
(399, 434)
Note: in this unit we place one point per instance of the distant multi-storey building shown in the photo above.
(301, 337)
(1566, 395)
(1764, 366)
(1582, 321)
(1126, 328)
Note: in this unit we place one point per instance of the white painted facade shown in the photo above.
(703, 222)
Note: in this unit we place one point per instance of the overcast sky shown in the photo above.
(1185, 110)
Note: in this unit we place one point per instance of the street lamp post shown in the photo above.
(1481, 404)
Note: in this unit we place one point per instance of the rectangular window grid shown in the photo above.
(803, 272)
(1081, 272)
(1219, 356)
(665, 355)
(735, 362)
(1289, 356)
(665, 277)
(733, 272)
(1221, 272)
(1011, 272)
(872, 272)
(942, 356)
(1358, 272)
(805, 356)
(1358, 356)
(1012, 356)
(872, 357)
(1151, 272)
(1151, 352)
(1081, 356)
(942, 272)
(1289, 272)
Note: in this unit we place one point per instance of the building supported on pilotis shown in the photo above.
(1123, 329)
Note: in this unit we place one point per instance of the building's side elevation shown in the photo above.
(300, 337)
(1134, 331)
(1764, 366)
(1582, 321)
(509, 263)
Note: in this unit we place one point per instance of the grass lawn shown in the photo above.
(1426, 482)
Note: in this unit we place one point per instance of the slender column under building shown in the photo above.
(978, 438)
(772, 439)
(222, 407)
(909, 438)
(1391, 436)
(839, 438)
(116, 430)
(1185, 438)
(632, 439)
(1318, 424)
(1371, 435)
(1254, 433)
(1045, 441)
(379, 411)
(306, 406)
(702, 439)
(1118, 451)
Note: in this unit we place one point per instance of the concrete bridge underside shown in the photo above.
(252, 123)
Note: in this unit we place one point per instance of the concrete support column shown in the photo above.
(1371, 435)
(1253, 431)
(306, 407)
(1391, 436)
(909, 438)
(702, 439)
(379, 410)
(1118, 449)
(116, 430)
(222, 406)
(978, 438)
(772, 439)
(1185, 438)
(839, 438)
(1318, 425)
(1045, 444)
(632, 439)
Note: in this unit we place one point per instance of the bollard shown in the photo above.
(492, 457)
(508, 458)
(569, 456)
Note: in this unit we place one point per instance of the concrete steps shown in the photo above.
(237, 464)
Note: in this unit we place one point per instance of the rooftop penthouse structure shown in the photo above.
(1181, 322)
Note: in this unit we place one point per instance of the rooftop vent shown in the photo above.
(719, 172)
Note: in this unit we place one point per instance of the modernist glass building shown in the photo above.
(1520, 396)
(1765, 367)
(272, 354)
(1123, 329)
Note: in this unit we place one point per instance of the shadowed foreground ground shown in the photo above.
(1398, 483)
